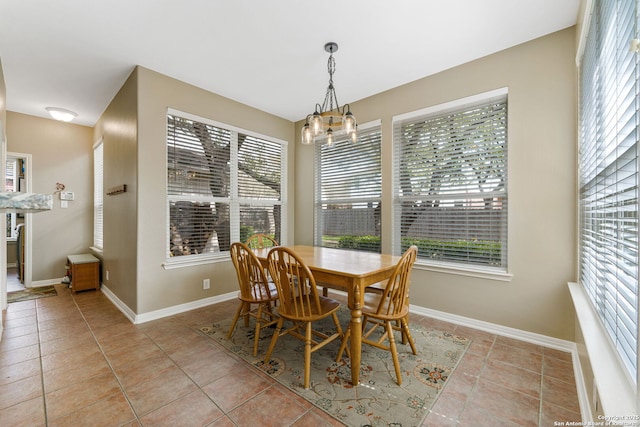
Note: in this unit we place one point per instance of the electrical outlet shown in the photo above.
(107, 274)
(206, 284)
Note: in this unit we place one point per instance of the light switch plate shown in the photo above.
(66, 195)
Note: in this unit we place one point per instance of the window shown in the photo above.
(348, 192)
(450, 182)
(608, 173)
(223, 184)
(98, 194)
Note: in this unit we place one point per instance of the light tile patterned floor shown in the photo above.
(76, 360)
(13, 283)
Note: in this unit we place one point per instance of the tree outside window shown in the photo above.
(450, 184)
(223, 184)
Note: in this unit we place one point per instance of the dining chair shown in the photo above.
(255, 290)
(388, 310)
(300, 304)
(261, 241)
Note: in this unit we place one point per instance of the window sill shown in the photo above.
(96, 251)
(616, 392)
(193, 260)
(465, 270)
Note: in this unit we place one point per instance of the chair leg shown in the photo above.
(269, 308)
(246, 316)
(307, 355)
(235, 320)
(399, 326)
(274, 339)
(343, 346)
(407, 334)
(334, 316)
(394, 352)
(256, 338)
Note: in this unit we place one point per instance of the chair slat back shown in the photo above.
(395, 297)
(261, 241)
(251, 275)
(295, 283)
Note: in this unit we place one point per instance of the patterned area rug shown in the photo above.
(378, 401)
(31, 293)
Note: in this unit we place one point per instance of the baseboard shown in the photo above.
(505, 331)
(129, 314)
(181, 308)
(530, 337)
(48, 282)
(165, 312)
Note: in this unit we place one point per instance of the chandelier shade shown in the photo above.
(330, 121)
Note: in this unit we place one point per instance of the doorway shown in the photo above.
(17, 179)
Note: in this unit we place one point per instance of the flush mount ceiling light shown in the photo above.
(329, 122)
(61, 114)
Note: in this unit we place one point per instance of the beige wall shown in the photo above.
(135, 250)
(61, 152)
(12, 253)
(118, 129)
(540, 76)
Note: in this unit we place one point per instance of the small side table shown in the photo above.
(84, 272)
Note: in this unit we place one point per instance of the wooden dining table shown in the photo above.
(349, 270)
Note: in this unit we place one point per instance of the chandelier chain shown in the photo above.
(330, 96)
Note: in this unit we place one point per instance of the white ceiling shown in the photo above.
(76, 54)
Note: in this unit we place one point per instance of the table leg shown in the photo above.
(355, 303)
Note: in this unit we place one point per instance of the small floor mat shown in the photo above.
(31, 293)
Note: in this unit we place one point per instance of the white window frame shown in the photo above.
(234, 200)
(480, 271)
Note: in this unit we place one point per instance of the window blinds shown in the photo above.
(198, 159)
(98, 195)
(450, 184)
(11, 176)
(348, 192)
(260, 169)
(608, 173)
(198, 187)
(222, 185)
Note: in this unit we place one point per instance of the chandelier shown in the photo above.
(329, 121)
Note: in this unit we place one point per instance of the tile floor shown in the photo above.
(13, 283)
(76, 360)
